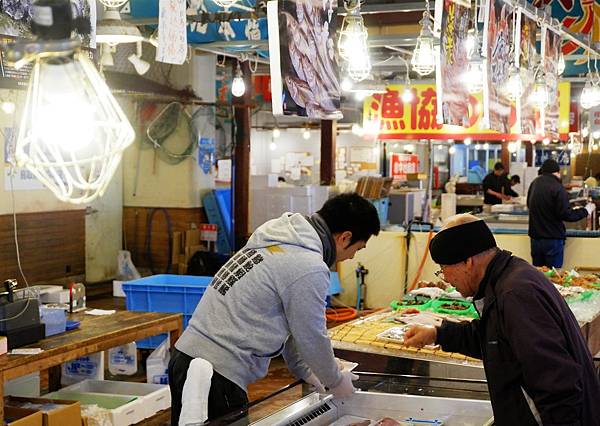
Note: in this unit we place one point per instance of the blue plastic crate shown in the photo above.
(382, 206)
(215, 205)
(164, 293)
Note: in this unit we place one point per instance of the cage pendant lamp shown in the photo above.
(353, 35)
(423, 59)
(587, 99)
(72, 132)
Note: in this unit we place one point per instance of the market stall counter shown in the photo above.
(96, 333)
(386, 400)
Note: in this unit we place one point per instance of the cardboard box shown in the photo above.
(64, 413)
(22, 417)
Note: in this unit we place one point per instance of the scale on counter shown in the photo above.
(19, 316)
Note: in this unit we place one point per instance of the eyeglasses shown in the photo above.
(440, 274)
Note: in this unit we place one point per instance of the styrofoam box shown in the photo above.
(152, 398)
(27, 386)
(118, 289)
(123, 410)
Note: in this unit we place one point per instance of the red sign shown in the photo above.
(402, 164)
(208, 232)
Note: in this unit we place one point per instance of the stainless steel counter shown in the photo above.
(454, 403)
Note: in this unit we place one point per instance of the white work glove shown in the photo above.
(314, 380)
(590, 207)
(345, 387)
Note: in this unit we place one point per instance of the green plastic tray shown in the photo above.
(398, 305)
(110, 402)
(470, 312)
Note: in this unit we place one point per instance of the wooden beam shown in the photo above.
(528, 153)
(241, 163)
(505, 155)
(328, 147)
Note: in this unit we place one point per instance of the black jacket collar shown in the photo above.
(492, 273)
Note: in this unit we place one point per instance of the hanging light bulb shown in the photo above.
(353, 34)
(272, 146)
(587, 99)
(359, 65)
(238, 87)
(73, 131)
(8, 107)
(512, 147)
(470, 42)
(561, 63)
(409, 147)
(276, 132)
(514, 84)
(477, 146)
(452, 150)
(357, 130)
(596, 134)
(423, 59)
(306, 134)
(467, 141)
(546, 141)
(584, 132)
(346, 84)
(595, 94)
(353, 46)
(360, 95)
(371, 127)
(395, 145)
(407, 95)
(439, 147)
(474, 75)
(486, 146)
(540, 95)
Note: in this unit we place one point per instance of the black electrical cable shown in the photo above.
(149, 220)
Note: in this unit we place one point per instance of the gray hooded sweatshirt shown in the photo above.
(268, 299)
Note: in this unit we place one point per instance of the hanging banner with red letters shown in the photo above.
(550, 57)
(498, 31)
(453, 63)
(417, 119)
(527, 55)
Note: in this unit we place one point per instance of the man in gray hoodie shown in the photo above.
(269, 299)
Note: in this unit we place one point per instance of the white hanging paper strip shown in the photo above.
(172, 32)
(92, 6)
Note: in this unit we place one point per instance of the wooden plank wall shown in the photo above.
(135, 231)
(52, 245)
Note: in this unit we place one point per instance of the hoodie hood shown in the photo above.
(289, 229)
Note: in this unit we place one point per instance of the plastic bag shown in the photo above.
(126, 269)
(86, 367)
(123, 359)
(157, 364)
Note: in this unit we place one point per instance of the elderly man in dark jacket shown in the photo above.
(548, 204)
(538, 367)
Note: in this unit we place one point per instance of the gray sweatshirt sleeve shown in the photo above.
(294, 361)
(304, 307)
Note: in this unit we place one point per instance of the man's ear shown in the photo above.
(344, 239)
